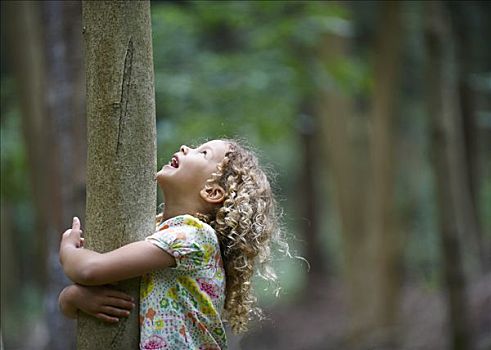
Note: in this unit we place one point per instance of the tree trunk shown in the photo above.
(121, 159)
(347, 170)
(25, 55)
(364, 184)
(308, 203)
(65, 147)
(467, 31)
(11, 277)
(382, 223)
(48, 67)
(452, 194)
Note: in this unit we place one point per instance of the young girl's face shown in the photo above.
(189, 168)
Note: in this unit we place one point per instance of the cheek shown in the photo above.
(188, 178)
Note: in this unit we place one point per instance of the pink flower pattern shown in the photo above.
(180, 307)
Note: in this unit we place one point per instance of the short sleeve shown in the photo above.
(193, 247)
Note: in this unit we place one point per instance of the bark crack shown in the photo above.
(125, 89)
(115, 342)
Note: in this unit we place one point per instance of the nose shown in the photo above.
(184, 149)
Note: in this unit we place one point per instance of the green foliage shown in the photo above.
(22, 295)
(235, 68)
(14, 179)
(239, 69)
(204, 89)
(243, 69)
(352, 76)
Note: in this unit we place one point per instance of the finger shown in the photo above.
(114, 312)
(118, 294)
(82, 242)
(106, 318)
(120, 303)
(67, 232)
(76, 224)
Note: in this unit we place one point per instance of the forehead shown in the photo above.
(216, 146)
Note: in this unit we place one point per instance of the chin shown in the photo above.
(164, 177)
(160, 176)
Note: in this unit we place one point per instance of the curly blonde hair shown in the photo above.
(246, 224)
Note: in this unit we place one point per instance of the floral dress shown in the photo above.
(180, 307)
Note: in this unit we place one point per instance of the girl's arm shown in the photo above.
(89, 268)
(66, 303)
(104, 303)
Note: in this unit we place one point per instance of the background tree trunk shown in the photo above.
(48, 65)
(382, 223)
(25, 54)
(65, 146)
(363, 175)
(308, 204)
(121, 146)
(466, 30)
(347, 170)
(453, 196)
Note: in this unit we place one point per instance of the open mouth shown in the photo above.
(174, 162)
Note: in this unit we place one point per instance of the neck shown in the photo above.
(170, 212)
(180, 206)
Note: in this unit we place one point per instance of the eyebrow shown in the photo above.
(206, 148)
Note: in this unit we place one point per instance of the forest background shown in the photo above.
(374, 116)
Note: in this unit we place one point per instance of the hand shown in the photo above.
(70, 239)
(104, 303)
(73, 236)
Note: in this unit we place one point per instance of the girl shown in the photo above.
(215, 231)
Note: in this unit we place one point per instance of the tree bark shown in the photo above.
(121, 159)
(452, 194)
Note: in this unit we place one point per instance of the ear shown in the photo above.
(213, 194)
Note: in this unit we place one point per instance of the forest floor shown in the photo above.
(321, 322)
